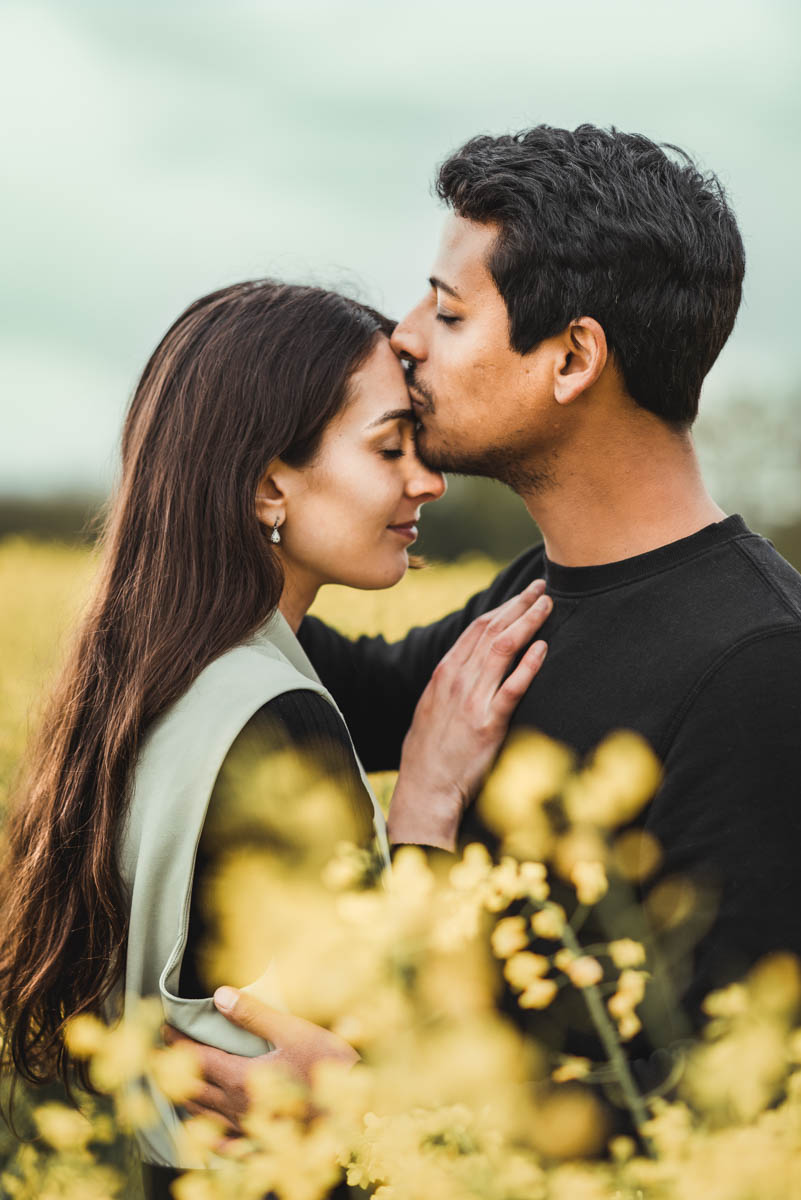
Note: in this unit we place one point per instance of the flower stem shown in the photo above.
(614, 1050)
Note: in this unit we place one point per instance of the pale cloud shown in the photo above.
(151, 152)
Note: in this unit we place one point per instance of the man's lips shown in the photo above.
(420, 403)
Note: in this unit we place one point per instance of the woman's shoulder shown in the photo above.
(183, 750)
(231, 688)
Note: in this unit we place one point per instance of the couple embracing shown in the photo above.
(284, 437)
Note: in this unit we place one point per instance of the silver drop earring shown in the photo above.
(275, 536)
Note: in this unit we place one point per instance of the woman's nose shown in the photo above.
(407, 340)
(425, 485)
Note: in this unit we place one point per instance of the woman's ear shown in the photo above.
(583, 360)
(271, 495)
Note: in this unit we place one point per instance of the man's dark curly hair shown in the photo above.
(610, 225)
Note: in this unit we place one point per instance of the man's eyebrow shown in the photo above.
(396, 414)
(443, 287)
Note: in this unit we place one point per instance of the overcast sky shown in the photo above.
(152, 151)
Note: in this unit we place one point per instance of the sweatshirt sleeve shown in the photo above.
(728, 820)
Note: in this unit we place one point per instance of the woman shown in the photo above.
(268, 450)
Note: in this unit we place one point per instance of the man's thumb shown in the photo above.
(249, 1012)
(225, 1000)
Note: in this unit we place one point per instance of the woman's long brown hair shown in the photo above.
(250, 373)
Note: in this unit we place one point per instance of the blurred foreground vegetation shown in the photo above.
(447, 1104)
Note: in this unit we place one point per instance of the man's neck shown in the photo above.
(641, 490)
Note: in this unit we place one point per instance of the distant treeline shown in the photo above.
(476, 516)
(67, 518)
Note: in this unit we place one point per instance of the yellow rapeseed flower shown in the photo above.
(731, 1001)
(571, 1068)
(625, 952)
(590, 882)
(584, 971)
(531, 769)
(629, 1026)
(549, 922)
(176, 1072)
(534, 881)
(509, 936)
(621, 777)
(63, 1128)
(522, 969)
(85, 1035)
(473, 868)
(538, 994)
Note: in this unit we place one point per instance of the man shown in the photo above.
(585, 284)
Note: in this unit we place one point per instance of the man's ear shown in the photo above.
(271, 495)
(583, 359)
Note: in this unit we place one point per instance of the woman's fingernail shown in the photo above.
(225, 998)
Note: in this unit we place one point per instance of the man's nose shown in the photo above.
(407, 340)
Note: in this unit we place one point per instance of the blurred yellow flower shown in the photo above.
(670, 1127)
(625, 952)
(571, 1068)
(411, 875)
(122, 1056)
(580, 843)
(636, 855)
(622, 1148)
(349, 867)
(199, 1137)
(534, 881)
(570, 1123)
(630, 992)
(621, 777)
(629, 1026)
(549, 922)
(61, 1127)
(530, 770)
(738, 1075)
(509, 936)
(730, 1001)
(632, 983)
(522, 969)
(135, 1109)
(472, 869)
(584, 971)
(590, 882)
(538, 994)
(84, 1035)
(176, 1072)
(511, 880)
(774, 986)
(577, 1183)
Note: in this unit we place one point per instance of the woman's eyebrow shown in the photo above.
(397, 414)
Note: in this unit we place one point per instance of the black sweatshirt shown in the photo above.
(695, 645)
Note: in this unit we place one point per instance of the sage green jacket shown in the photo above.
(173, 781)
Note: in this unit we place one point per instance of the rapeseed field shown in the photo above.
(43, 586)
